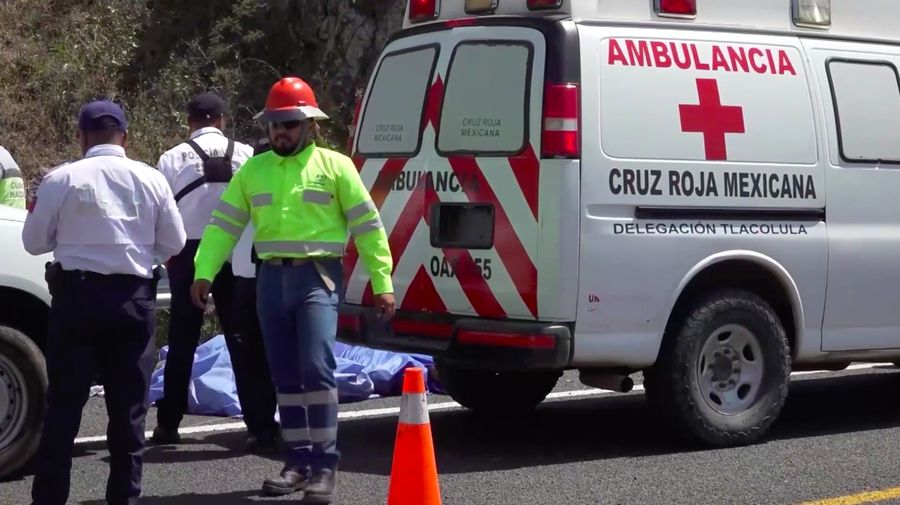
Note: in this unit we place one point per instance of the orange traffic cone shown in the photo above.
(414, 479)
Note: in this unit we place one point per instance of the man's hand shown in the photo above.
(385, 305)
(200, 292)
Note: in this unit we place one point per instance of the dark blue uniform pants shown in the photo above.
(184, 331)
(98, 324)
(251, 369)
(299, 314)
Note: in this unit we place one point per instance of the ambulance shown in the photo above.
(706, 192)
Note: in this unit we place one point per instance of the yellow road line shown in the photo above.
(858, 499)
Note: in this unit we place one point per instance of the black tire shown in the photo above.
(674, 383)
(19, 442)
(496, 393)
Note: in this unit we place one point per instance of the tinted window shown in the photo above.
(390, 124)
(867, 102)
(485, 108)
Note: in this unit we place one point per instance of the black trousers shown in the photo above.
(105, 324)
(184, 331)
(256, 391)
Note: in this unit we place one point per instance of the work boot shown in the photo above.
(320, 488)
(164, 436)
(290, 480)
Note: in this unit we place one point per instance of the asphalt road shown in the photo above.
(838, 435)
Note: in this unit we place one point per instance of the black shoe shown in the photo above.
(319, 488)
(260, 445)
(164, 436)
(289, 481)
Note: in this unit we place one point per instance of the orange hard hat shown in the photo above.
(291, 98)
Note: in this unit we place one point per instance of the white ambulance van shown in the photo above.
(705, 191)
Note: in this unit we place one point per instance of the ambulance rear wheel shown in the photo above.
(496, 393)
(723, 373)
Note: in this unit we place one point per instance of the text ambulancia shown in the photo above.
(700, 190)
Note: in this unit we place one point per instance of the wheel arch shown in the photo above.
(24, 312)
(749, 270)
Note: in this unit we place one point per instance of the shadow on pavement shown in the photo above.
(236, 498)
(614, 427)
(567, 431)
(864, 402)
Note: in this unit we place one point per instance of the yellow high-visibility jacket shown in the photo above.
(12, 186)
(302, 207)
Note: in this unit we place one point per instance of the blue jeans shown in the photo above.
(298, 316)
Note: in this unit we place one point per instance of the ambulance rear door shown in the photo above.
(449, 143)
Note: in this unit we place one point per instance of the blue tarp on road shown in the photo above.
(361, 372)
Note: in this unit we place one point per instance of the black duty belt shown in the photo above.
(287, 262)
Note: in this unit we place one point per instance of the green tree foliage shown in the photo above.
(152, 56)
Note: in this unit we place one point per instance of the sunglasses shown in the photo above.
(287, 125)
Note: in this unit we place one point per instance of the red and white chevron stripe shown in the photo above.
(511, 184)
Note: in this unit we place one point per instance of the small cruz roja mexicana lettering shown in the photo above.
(438, 181)
(480, 127)
(389, 132)
(710, 183)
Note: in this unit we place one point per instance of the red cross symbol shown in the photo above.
(712, 119)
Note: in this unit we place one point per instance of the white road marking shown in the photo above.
(393, 411)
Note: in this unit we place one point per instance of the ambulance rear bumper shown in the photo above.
(498, 345)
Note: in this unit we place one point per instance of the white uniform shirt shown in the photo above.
(241, 262)
(105, 213)
(181, 165)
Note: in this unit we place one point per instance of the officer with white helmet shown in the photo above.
(198, 171)
(107, 219)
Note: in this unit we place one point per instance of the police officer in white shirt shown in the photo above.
(198, 171)
(105, 218)
(253, 378)
(256, 391)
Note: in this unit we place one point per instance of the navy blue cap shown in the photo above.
(207, 105)
(89, 117)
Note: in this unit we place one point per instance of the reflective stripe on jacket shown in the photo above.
(301, 206)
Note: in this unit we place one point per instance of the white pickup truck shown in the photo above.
(24, 307)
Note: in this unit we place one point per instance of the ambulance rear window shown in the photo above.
(867, 99)
(390, 123)
(485, 108)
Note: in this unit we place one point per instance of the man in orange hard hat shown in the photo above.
(301, 199)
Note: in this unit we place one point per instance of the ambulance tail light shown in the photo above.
(539, 5)
(423, 10)
(353, 125)
(496, 339)
(456, 23)
(812, 13)
(349, 323)
(676, 8)
(560, 135)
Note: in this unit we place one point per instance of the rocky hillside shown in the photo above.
(152, 55)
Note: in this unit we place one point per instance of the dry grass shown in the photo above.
(152, 56)
(149, 56)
